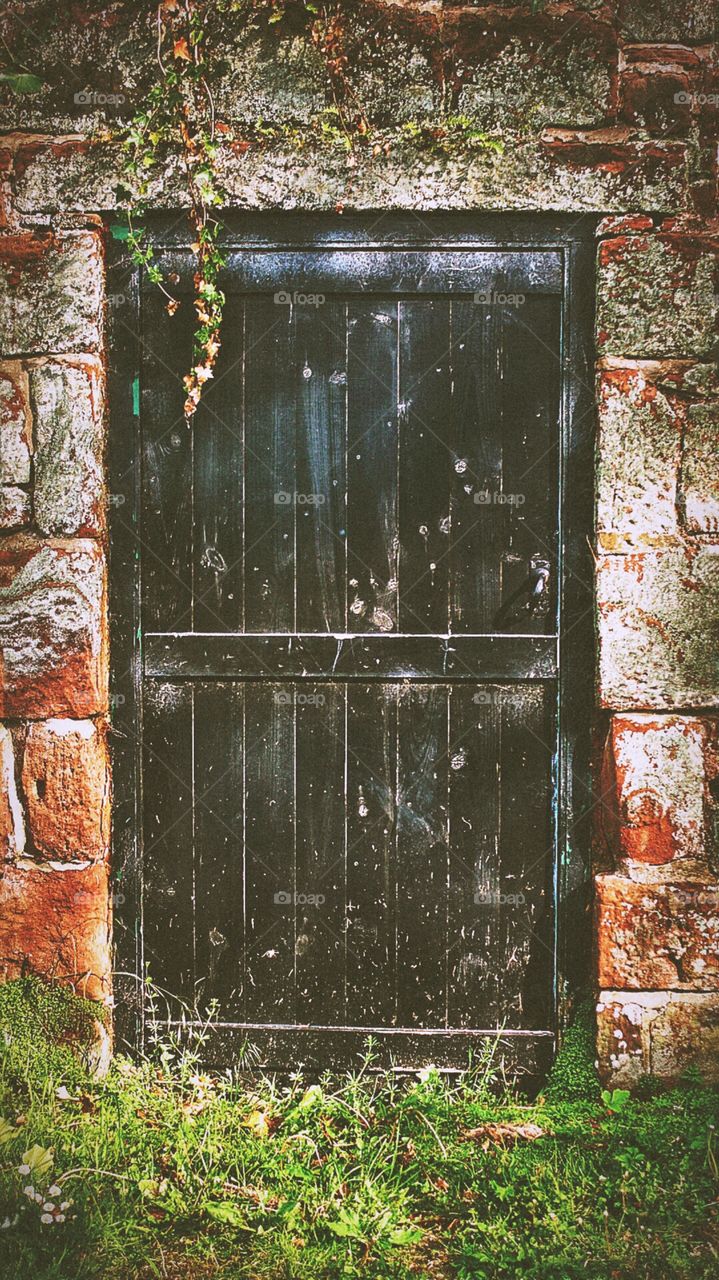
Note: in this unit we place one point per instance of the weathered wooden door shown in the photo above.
(350, 578)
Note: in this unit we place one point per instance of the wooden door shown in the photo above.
(349, 586)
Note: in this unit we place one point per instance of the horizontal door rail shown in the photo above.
(457, 229)
(441, 271)
(321, 1048)
(380, 657)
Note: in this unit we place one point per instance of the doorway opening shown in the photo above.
(352, 639)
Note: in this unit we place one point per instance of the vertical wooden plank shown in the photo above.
(530, 396)
(501, 857)
(475, 862)
(271, 390)
(219, 845)
(372, 533)
(270, 885)
(478, 523)
(425, 464)
(371, 854)
(218, 507)
(168, 838)
(166, 517)
(422, 855)
(321, 334)
(526, 963)
(320, 818)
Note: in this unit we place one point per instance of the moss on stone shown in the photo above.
(573, 1077)
(46, 1029)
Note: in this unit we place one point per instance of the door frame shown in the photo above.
(574, 237)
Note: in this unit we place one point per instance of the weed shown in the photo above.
(168, 1170)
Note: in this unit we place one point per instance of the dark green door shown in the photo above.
(348, 574)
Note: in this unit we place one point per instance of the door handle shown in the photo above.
(538, 586)
(532, 597)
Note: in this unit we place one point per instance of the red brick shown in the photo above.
(660, 102)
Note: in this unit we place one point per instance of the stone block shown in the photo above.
(638, 454)
(56, 923)
(53, 650)
(657, 296)
(656, 20)
(63, 176)
(657, 1032)
(699, 479)
(51, 292)
(15, 424)
(69, 489)
(658, 628)
(12, 818)
(278, 78)
(656, 937)
(659, 816)
(66, 785)
(522, 90)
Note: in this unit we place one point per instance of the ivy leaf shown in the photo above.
(181, 49)
(22, 81)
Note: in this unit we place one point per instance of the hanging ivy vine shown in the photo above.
(180, 115)
(180, 118)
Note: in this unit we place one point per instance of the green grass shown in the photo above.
(175, 1173)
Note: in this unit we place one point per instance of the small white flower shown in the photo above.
(54, 1190)
(46, 1218)
(62, 1093)
(38, 1198)
(24, 1169)
(59, 1217)
(65, 1205)
(426, 1073)
(48, 1207)
(29, 1192)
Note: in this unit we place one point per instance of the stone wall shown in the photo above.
(55, 807)
(602, 107)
